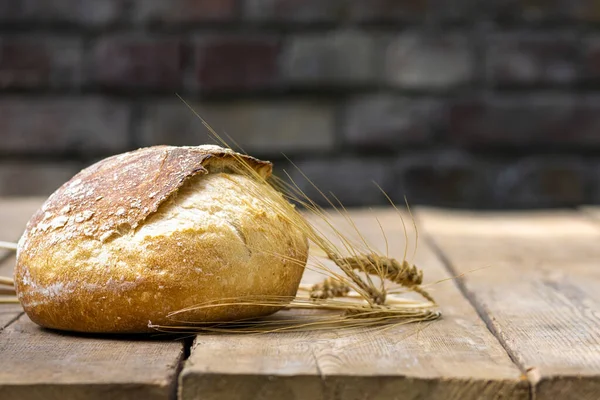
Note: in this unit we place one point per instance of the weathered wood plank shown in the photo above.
(43, 364)
(452, 358)
(541, 293)
(592, 211)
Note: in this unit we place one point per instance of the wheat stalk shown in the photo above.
(352, 295)
(8, 245)
(9, 300)
(4, 280)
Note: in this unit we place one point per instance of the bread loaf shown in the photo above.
(145, 233)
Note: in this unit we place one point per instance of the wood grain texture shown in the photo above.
(14, 214)
(452, 358)
(43, 364)
(540, 294)
(52, 365)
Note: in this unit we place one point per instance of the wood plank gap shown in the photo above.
(540, 295)
(472, 298)
(11, 321)
(188, 343)
(455, 357)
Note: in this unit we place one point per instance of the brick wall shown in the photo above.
(460, 103)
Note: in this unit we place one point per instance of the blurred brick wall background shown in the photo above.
(457, 103)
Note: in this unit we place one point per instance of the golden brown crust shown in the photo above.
(167, 274)
(116, 194)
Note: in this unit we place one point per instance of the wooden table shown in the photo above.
(528, 326)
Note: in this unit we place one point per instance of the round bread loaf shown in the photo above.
(139, 235)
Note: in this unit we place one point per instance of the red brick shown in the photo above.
(63, 125)
(591, 61)
(586, 10)
(37, 62)
(134, 62)
(522, 59)
(387, 121)
(414, 10)
(543, 121)
(34, 178)
(419, 61)
(530, 10)
(332, 11)
(260, 127)
(349, 179)
(544, 11)
(183, 11)
(305, 11)
(80, 12)
(338, 58)
(236, 63)
(537, 181)
(442, 179)
(389, 10)
(459, 179)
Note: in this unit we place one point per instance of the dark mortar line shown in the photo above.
(241, 24)
(322, 91)
(235, 26)
(498, 155)
(289, 90)
(471, 298)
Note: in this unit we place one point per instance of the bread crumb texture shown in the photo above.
(142, 234)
